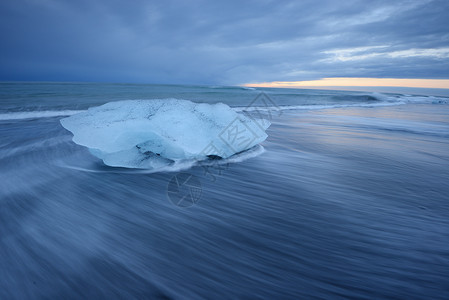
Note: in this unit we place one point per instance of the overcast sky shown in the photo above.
(222, 42)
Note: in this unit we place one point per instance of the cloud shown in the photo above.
(363, 53)
(222, 42)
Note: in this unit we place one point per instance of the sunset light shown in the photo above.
(357, 82)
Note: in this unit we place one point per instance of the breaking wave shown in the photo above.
(37, 114)
(338, 101)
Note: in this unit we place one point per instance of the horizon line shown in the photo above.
(356, 82)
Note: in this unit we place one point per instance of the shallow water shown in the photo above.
(344, 202)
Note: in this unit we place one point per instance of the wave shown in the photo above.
(371, 100)
(424, 99)
(310, 107)
(404, 99)
(224, 87)
(37, 114)
(362, 100)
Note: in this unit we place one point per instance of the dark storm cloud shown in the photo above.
(222, 42)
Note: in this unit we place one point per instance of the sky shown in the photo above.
(222, 42)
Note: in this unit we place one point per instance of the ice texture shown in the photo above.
(152, 134)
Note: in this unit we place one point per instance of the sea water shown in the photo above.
(348, 199)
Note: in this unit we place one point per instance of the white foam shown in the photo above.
(37, 114)
(423, 99)
(384, 100)
(312, 107)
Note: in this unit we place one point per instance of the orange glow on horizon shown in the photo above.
(357, 82)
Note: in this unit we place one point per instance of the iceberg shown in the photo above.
(151, 134)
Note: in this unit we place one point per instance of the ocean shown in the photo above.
(346, 198)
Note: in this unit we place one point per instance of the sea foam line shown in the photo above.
(383, 101)
(313, 106)
(37, 114)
